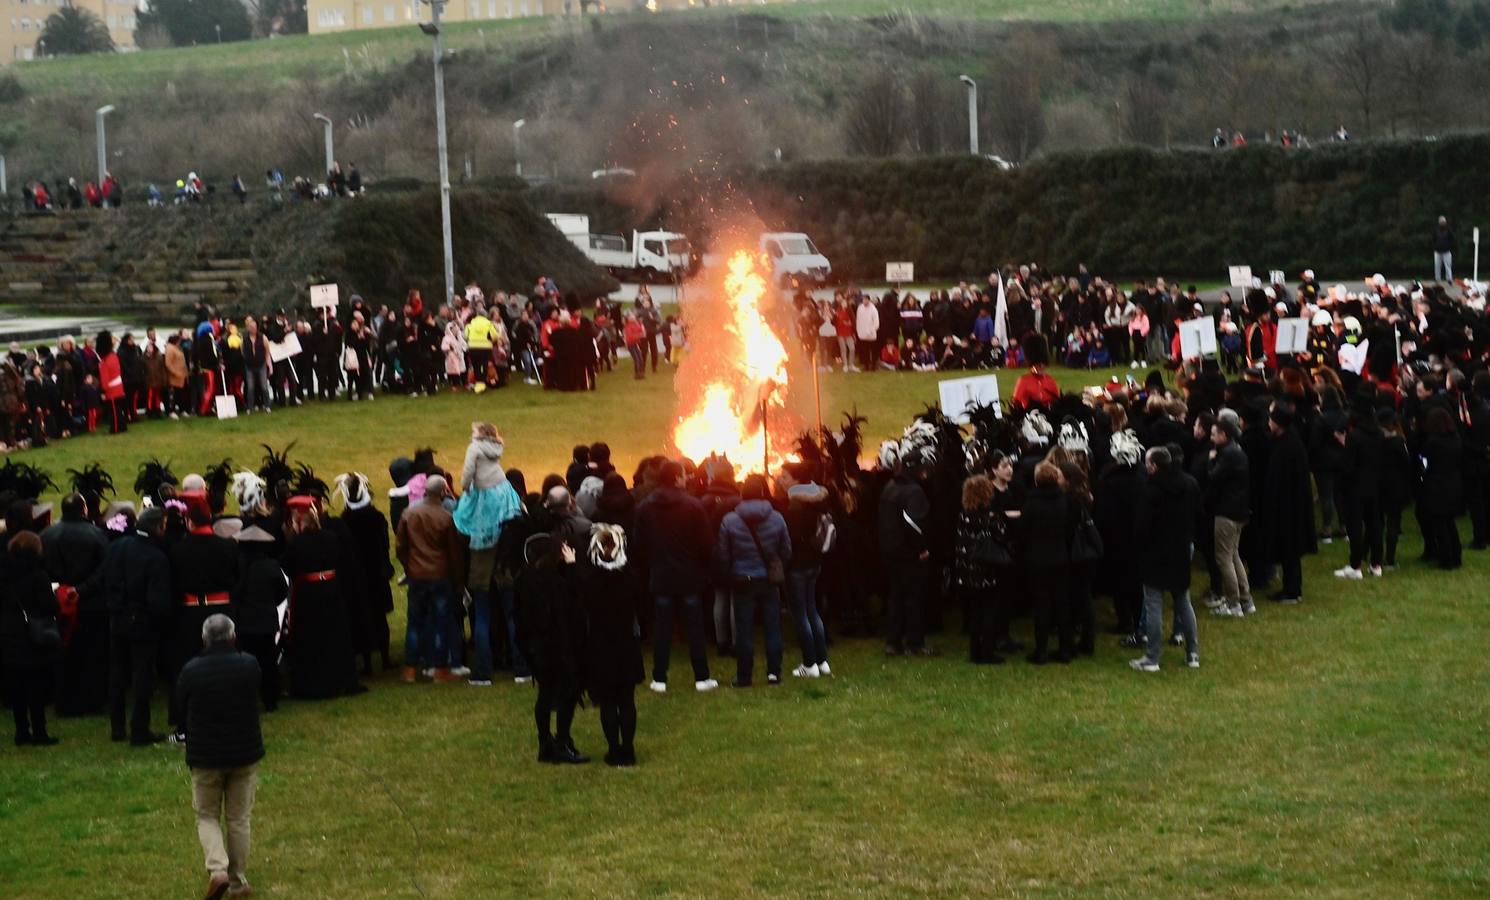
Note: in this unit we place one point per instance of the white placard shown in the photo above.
(227, 406)
(1275, 276)
(1293, 336)
(900, 272)
(958, 395)
(1241, 276)
(323, 296)
(285, 349)
(1197, 337)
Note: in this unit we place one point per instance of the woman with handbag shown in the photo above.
(754, 548)
(982, 550)
(29, 635)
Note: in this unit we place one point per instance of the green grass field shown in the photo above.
(1336, 748)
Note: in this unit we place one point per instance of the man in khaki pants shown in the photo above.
(219, 696)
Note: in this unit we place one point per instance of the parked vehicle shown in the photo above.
(795, 258)
(664, 255)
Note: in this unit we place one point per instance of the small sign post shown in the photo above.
(900, 272)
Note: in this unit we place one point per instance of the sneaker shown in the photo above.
(460, 671)
(1193, 661)
(1142, 664)
(1212, 601)
(1133, 642)
(522, 679)
(479, 682)
(428, 673)
(1288, 601)
(823, 670)
(658, 687)
(1248, 607)
(1376, 571)
(805, 672)
(705, 686)
(773, 680)
(1227, 611)
(1326, 539)
(1348, 573)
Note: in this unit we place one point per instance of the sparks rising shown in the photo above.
(735, 375)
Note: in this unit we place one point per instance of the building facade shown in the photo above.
(348, 15)
(22, 21)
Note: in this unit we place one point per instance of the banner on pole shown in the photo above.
(323, 296)
(959, 395)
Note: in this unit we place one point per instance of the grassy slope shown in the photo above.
(287, 58)
(1333, 748)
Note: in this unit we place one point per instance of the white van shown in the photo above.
(794, 256)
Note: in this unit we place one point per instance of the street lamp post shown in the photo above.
(330, 144)
(4, 185)
(972, 113)
(219, 33)
(432, 28)
(103, 148)
(517, 144)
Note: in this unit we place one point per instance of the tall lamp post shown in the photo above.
(330, 144)
(972, 113)
(517, 144)
(103, 146)
(432, 28)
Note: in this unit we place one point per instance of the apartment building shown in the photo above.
(21, 23)
(349, 15)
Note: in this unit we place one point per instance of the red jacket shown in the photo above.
(635, 332)
(1035, 389)
(109, 379)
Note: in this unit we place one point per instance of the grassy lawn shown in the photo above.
(1334, 748)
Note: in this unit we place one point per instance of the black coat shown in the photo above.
(1285, 521)
(1361, 465)
(319, 652)
(137, 576)
(1442, 493)
(74, 552)
(1399, 474)
(551, 626)
(1047, 523)
(1165, 522)
(903, 519)
(219, 696)
(612, 650)
(1115, 498)
(1228, 484)
(261, 588)
(673, 538)
(26, 587)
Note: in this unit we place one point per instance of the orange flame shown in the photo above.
(737, 364)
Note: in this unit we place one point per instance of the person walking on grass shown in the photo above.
(26, 597)
(1228, 486)
(1169, 512)
(218, 692)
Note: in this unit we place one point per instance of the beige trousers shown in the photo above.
(224, 794)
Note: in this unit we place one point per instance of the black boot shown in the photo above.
(613, 756)
(565, 752)
(628, 756)
(548, 751)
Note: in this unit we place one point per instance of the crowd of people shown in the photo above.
(37, 197)
(278, 360)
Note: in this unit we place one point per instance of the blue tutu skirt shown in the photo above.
(480, 514)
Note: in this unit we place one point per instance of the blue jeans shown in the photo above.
(662, 635)
(508, 597)
(1153, 605)
(801, 591)
(481, 635)
(425, 644)
(747, 597)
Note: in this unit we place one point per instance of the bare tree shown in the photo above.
(1017, 117)
(875, 119)
(933, 105)
(1355, 59)
(1145, 110)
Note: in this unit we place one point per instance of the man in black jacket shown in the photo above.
(674, 540)
(904, 516)
(74, 550)
(204, 571)
(1169, 511)
(138, 575)
(219, 696)
(1227, 492)
(1285, 517)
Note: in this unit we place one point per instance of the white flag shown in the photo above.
(1001, 316)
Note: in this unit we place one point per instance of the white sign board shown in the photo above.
(958, 395)
(285, 349)
(323, 296)
(1293, 336)
(1197, 337)
(227, 406)
(900, 272)
(1241, 276)
(1275, 276)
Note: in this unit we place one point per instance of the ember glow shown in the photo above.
(736, 365)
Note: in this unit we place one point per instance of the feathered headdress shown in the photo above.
(248, 490)
(26, 481)
(889, 455)
(612, 538)
(851, 441)
(1125, 447)
(308, 485)
(1073, 436)
(219, 478)
(93, 483)
(353, 489)
(276, 466)
(1035, 430)
(154, 475)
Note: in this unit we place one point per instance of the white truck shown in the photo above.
(664, 255)
(794, 257)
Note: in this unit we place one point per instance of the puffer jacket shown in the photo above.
(736, 552)
(483, 467)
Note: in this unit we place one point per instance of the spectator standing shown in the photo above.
(1168, 513)
(867, 331)
(754, 548)
(137, 574)
(673, 539)
(25, 597)
(427, 548)
(1227, 489)
(1443, 251)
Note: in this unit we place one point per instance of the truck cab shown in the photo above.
(794, 256)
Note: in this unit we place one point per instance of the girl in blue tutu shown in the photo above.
(487, 502)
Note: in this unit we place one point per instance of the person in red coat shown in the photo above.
(1035, 387)
(110, 381)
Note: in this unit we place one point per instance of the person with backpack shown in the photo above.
(755, 548)
(813, 535)
(29, 636)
